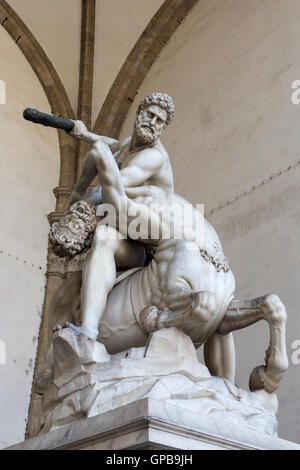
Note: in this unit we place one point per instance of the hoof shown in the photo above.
(256, 381)
(262, 378)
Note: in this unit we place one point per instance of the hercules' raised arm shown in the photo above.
(81, 132)
(141, 158)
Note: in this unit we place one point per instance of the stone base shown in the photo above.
(158, 396)
(88, 382)
(154, 424)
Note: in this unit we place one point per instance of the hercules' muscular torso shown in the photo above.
(162, 177)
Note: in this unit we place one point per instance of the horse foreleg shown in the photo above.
(219, 356)
(243, 313)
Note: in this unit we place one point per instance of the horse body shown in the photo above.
(170, 284)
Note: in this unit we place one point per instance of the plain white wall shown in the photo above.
(229, 68)
(29, 170)
(57, 27)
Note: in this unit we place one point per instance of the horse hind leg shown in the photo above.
(182, 284)
(243, 313)
(199, 305)
(185, 309)
(219, 356)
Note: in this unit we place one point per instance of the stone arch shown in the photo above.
(51, 83)
(138, 63)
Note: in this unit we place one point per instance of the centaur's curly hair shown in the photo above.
(162, 100)
(73, 233)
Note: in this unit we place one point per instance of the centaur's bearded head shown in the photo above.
(73, 233)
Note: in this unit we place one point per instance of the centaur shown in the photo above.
(187, 284)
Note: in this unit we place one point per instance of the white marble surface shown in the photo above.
(88, 382)
(150, 423)
(187, 284)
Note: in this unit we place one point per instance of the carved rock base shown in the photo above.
(88, 381)
(150, 424)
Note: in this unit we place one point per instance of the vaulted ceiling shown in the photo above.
(97, 51)
(56, 24)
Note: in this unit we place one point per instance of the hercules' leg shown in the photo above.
(100, 273)
(95, 288)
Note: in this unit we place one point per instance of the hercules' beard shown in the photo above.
(143, 132)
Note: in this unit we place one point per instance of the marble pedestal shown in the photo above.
(87, 382)
(152, 424)
(154, 397)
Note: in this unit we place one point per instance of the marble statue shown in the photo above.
(142, 162)
(184, 290)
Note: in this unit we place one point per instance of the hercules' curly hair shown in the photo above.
(162, 100)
